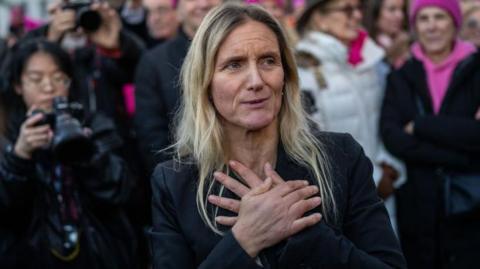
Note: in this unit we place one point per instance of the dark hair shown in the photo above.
(15, 108)
(371, 13)
(25, 51)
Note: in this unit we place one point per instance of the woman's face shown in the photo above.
(41, 81)
(247, 83)
(435, 30)
(390, 19)
(471, 28)
(340, 19)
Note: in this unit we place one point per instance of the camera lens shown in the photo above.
(89, 20)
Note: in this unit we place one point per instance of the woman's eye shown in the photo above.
(233, 65)
(268, 61)
(35, 79)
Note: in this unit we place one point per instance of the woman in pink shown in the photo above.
(430, 120)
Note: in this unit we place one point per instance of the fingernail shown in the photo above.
(232, 163)
(305, 183)
(315, 189)
(317, 200)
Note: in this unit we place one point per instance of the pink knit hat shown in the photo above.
(451, 6)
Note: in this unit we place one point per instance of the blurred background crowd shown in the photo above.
(89, 91)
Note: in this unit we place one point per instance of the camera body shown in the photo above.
(70, 144)
(89, 20)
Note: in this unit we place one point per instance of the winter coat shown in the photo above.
(360, 237)
(347, 98)
(448, 141)
(157, 96)
(39, 204)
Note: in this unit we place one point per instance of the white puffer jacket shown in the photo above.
(351, 96)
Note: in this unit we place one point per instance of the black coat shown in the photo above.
(31, 220)
(450, 141)
(157, 96)
(360, 238)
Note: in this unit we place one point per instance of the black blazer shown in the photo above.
(361, 236)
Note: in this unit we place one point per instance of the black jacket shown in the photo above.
(361, 237)
(448, 141)
(157, 96)
(32, 220)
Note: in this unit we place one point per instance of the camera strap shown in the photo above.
(69, 212)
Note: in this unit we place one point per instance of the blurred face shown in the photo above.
(247, 84)
(391, 17)
(471, 28)
(273, 8)
(192, 12)
(162, 18)
(41, 81)
(340, 19)
(435, 31)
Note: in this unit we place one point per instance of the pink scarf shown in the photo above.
(440, 74)
(355, 50)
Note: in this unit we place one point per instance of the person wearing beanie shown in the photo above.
(431, 120)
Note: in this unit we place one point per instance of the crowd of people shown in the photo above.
(241, 134)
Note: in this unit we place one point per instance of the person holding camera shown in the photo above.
(104, 53)
(61, 186)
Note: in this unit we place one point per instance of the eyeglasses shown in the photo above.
(58, 80)
(347, 9)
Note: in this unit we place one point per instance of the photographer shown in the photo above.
(57, 213)
(105, 55)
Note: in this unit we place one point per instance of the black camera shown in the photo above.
(70, 144)
(89, 20)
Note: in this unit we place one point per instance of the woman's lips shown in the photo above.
(256, 102)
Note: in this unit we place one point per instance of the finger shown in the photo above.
(225, 203)
(38, 141)
(54, 6)
(266, 185)
(299, 208)
(302, 223)
(227, 221)
(32, 139)
(269, 172)
(246, 174)
(31, 121)
(289, 186)
(40, 130)
(300, 194)
(233, 185)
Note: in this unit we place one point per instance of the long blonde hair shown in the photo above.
(199, 132)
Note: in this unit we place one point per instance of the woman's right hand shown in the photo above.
(269, 215)
(32, 137)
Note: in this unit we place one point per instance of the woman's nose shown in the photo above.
(255, 81)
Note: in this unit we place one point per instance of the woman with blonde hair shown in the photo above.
(252, 185)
